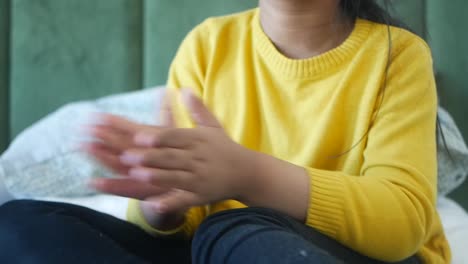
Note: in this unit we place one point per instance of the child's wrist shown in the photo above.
(252, 176)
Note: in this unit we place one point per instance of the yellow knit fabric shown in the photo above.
(371, 155)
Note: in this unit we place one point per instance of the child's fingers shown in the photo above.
(174, 201)
(114, 140)
(127, 188)
(106, 157)
(177, 179)
(180, 138)
(120, 132)
(199, 112)
(118, 123)
(161, 158)
(166, 110)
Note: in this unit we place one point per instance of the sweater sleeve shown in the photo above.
(193, 217)
(387, 211)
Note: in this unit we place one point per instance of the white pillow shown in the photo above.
(452, 155)
(5, 196)
(45, 160)
(455, 222)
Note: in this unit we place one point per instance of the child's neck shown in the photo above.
(304, 29)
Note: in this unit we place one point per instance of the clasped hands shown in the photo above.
(172, 168)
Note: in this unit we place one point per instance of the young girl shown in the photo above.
(319, 115)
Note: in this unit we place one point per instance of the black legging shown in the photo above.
(47, 232)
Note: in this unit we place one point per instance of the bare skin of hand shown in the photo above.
(115, 135)
(198, 166)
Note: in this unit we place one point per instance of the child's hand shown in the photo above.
(115, 136)
(200, 165)
(173, 169)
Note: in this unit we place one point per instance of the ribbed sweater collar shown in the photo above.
(308, 68)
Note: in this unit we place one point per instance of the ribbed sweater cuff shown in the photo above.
(326, 212)
(135, 216)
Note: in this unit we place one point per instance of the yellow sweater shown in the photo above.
(371, 156)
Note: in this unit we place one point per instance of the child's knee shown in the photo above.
(16, 207)
(221, 233)
(231, 219)
(19, 215)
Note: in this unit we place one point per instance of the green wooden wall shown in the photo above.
(167, 23)
(4, 73)
(69, 50)
(65, 50)
(447, 24)
(413, 13)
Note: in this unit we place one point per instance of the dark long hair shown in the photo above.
(370, 10)
(380, 12)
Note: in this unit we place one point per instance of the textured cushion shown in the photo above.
(45, 159)
(452, 155)
(455, 222)
(4, 70)
(64, 51)
(5, 196)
